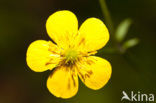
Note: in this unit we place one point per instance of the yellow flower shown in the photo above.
(71, 55)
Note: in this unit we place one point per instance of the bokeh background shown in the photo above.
(23, 21)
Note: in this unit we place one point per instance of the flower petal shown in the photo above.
(94, 72)
(42, 55)
(63, 82)
(62, 27)
(93, 35)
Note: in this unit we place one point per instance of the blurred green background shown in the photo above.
(23, 21)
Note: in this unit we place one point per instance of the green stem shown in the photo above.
(107, 16)
(110, 25)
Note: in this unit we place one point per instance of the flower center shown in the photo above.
(71, 55)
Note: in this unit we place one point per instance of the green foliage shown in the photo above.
(122, 30)
(119, 34)
(130, 43)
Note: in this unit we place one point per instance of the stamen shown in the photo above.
(71, 55)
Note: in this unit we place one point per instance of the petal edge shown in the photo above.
(94, 35)
(39, 56)
(94, 72)
(62, 27)
(63, 82)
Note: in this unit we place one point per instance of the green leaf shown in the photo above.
(122, 29)
(130, 43)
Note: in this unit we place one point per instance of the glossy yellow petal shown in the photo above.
(62, 27)
(63, 82)
(42, 55)
(93, 35)
(94, 72)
